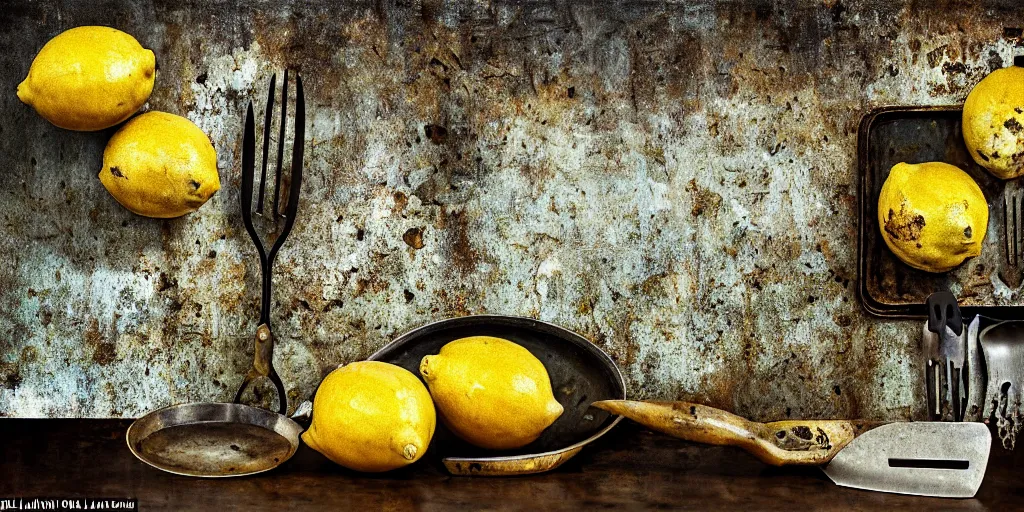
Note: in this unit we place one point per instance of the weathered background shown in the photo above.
(675, 181)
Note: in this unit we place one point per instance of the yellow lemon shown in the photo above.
(371, 416)
(993, 122)
(160, 165)
(491, 392)
(932, 215)
(89, 78)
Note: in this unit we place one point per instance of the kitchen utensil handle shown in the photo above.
(263, 366)
(789, 442)
(944, 311)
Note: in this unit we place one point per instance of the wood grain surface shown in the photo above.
(629, 469)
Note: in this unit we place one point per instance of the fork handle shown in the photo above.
(263, 366)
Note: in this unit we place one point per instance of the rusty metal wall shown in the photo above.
(675, 181)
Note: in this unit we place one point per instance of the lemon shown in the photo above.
(993, 122)
(160, 165)
(371, 416)
(932, 215)
(89, 78)
(491, 392)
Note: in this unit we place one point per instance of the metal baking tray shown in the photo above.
(889, 288)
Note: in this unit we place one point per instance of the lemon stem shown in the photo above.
(409, 452)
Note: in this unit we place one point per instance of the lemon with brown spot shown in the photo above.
(932, 215)
(89, 78)
(160, 165)
(491, 392)
(993, 122)
(371, 416)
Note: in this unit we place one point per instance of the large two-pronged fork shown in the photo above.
(282, 218)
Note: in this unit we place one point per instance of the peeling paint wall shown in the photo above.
(676, 182)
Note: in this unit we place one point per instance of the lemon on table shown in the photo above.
(160, 165)
(89, 78)
(371, 416)
(491, 392)
(932, 215)
(993, 122)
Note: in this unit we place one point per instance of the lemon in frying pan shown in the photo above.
(491, 392)
(160, 165)
(932, 215)
(993, 122)
(89, 78)
(371, 416)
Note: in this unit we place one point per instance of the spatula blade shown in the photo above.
(943, 459)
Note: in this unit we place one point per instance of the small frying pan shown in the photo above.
(211, 439)
(581, 373)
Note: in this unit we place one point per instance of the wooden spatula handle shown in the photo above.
(798, 442)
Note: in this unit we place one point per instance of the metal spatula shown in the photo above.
(943, 459)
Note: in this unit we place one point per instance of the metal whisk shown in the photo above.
(284, 218)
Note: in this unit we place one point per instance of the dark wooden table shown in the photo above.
(628, 469)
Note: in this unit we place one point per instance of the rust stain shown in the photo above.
(413, 237)
(461, 251)
(660, 179)
(903, 226)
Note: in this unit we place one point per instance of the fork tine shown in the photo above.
(280, 142)
(295, 184)
(266, 143)
(248, 165)
(292, 199)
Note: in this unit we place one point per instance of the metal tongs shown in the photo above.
(945, 348)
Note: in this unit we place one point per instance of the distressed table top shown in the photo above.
(628, 469)
(674, 181)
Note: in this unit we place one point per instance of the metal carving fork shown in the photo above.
(283, 218)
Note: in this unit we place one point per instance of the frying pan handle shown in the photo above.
(263, 366)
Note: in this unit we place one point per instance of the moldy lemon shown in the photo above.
(993, 122)
(932, 215)
(89, 78)
(491, 392)
(371, 416)
(160, 165)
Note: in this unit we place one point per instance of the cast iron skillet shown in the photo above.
(581, 373)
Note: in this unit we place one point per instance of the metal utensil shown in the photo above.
(580, 373)
(945, 372)
(1013, 245)
(975, 372)
(213, 439)
(1002, 346)
(942, 459)
(218, 439)
(263, 355)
